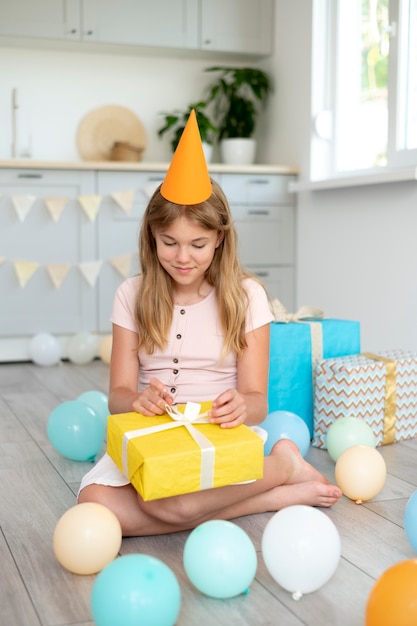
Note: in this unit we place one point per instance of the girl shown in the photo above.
(194, 326)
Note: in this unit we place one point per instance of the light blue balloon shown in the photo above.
(286, 425)
(410, 520)
(75, 431)
(220, 559)
(99, 402)
(136, 590)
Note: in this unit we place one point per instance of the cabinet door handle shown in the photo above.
(259, 181)
(30, 175)
(262, 274)
(258, 212)
(155, 178)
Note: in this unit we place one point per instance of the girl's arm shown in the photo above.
(124, 372)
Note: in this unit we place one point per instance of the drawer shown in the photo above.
(256, 189)
(44, 182)
(279, 283)
(266, 243)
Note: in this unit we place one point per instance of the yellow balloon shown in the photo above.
(360, 473)
(87, 538)
(105, 349)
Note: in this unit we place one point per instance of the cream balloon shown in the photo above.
(360, 473)
(87, 538)
(105, 349)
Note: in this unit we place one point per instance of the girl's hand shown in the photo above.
(229, 409)
(152, 400)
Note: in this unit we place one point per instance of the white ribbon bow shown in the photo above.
(304, 313)
(190, 416)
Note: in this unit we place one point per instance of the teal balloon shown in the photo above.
(286, 425)
(75, 431)
(220, 559)
(135, 590)
(347, 432)
(410, 520)
(99, 402)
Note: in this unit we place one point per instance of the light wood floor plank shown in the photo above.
(37, 485)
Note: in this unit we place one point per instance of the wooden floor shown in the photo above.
(37, 486)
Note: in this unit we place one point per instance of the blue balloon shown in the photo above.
(410, 520)
(99, 402)
(75, 431)
(220, 559)
(286, 425)
(136, 589)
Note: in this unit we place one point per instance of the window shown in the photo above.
(364, 99)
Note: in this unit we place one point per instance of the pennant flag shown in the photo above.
(55, 206)
(149, 189)
(58, 272)
(90, 205)
(25, 270)
(122, 264)
(22, 205)
(124, 199)
(90, 270)
(2, 260)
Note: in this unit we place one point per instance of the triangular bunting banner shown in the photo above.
(2, 260)
(149, 189)
(90, 270)
(122, 264)
(90, 205)
(55, 206)
(22, 204)
(58, 272)
(124, 199)
(25, 270)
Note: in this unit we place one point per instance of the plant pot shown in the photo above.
(208, 151)
(238, 151)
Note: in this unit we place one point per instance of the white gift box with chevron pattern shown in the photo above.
(359, 386)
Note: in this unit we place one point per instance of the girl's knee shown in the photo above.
(177, 510)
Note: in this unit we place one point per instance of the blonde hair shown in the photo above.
(225, 272)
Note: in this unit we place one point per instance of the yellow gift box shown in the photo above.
(166, 456)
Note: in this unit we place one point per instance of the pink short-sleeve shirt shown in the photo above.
(190, 364)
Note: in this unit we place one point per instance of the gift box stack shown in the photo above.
(299, 341)
(381, 389)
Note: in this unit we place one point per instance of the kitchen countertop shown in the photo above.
(142, 166)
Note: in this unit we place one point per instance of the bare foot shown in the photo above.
(311, 493)
(299, 470)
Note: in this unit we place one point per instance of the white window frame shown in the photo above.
(325, 93)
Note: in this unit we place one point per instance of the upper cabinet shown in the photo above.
(243, 26)
(235, 26)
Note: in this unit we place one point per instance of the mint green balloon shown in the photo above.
(347, 432)
(220, 559)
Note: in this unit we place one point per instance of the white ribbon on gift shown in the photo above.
(305, 314)
(190, 416)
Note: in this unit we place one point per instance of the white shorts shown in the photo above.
(106, 472)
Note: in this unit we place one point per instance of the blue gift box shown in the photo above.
(295, 350)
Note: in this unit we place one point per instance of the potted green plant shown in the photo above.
(175, 122)
(238, 95)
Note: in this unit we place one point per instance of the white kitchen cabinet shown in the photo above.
(37, 238)
(235, 26)
(118, 231)
(160, 23)
(42, 19)
(264, 216)
(239, 26)
(262, 208)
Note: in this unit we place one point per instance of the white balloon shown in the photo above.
(44, 349)
(301, 549)
(82, 348)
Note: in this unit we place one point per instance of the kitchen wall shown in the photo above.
(57, 88)
(356, 249)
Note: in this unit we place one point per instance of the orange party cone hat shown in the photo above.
(187, 180)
